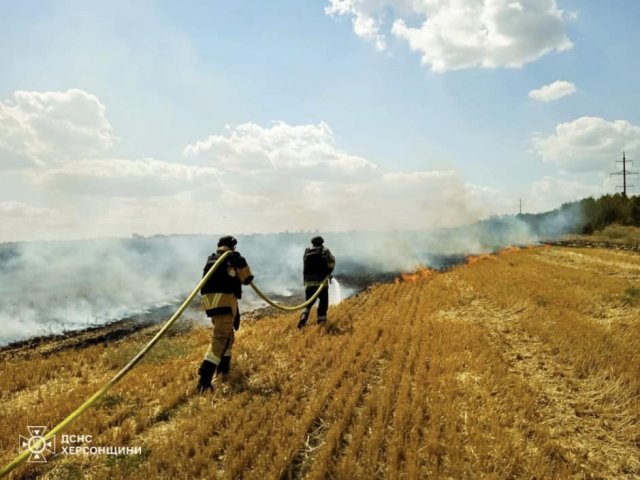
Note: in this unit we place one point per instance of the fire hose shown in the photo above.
(294, 307)
(134, 361)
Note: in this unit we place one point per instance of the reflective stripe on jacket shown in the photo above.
(223, 289)
(220, 304)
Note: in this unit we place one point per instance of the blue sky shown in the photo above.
(160, 117)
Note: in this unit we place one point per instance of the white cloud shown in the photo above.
(458, 34)
(553, 91)
(588, 143)
(41, 127)
(63, 135)
(305, 149)
(250, 178)
(368, 28)
(364, 19)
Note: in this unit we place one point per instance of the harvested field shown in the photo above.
(525, 365)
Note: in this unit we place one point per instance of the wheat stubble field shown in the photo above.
(524, 364)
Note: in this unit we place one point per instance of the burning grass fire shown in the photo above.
(421, 273)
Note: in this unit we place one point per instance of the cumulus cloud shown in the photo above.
(364, 20)
(553, 91)
(303, 149)
(587, 143)
(40, 127)
(458, 34)
(66, 134)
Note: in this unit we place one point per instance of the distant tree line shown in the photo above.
(610, 209)
(587, 215)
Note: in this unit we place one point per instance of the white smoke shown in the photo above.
(51, 287)
(59, 286)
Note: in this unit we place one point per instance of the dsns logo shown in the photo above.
(36, 444)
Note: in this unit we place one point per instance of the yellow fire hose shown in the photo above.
(294, 307)
(118, 376)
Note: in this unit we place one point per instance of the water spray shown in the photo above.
(338, 290)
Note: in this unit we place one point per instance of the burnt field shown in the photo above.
(517, 365)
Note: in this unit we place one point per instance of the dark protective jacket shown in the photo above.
(318, 262)
(223, 289)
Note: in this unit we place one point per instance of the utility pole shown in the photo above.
(624, 174)
(520, 206)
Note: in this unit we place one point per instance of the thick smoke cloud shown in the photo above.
(56, 286)
(50, 287)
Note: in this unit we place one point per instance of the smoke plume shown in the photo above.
(51, 287)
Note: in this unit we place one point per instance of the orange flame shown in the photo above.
(421, 274)
(509, 249)
(471, 259)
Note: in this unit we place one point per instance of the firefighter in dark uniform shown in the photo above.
(318, 264)
(220, 297)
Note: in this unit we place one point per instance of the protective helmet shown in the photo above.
(317, 241)
(227, 241)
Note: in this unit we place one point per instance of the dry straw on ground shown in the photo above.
(523, 365)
